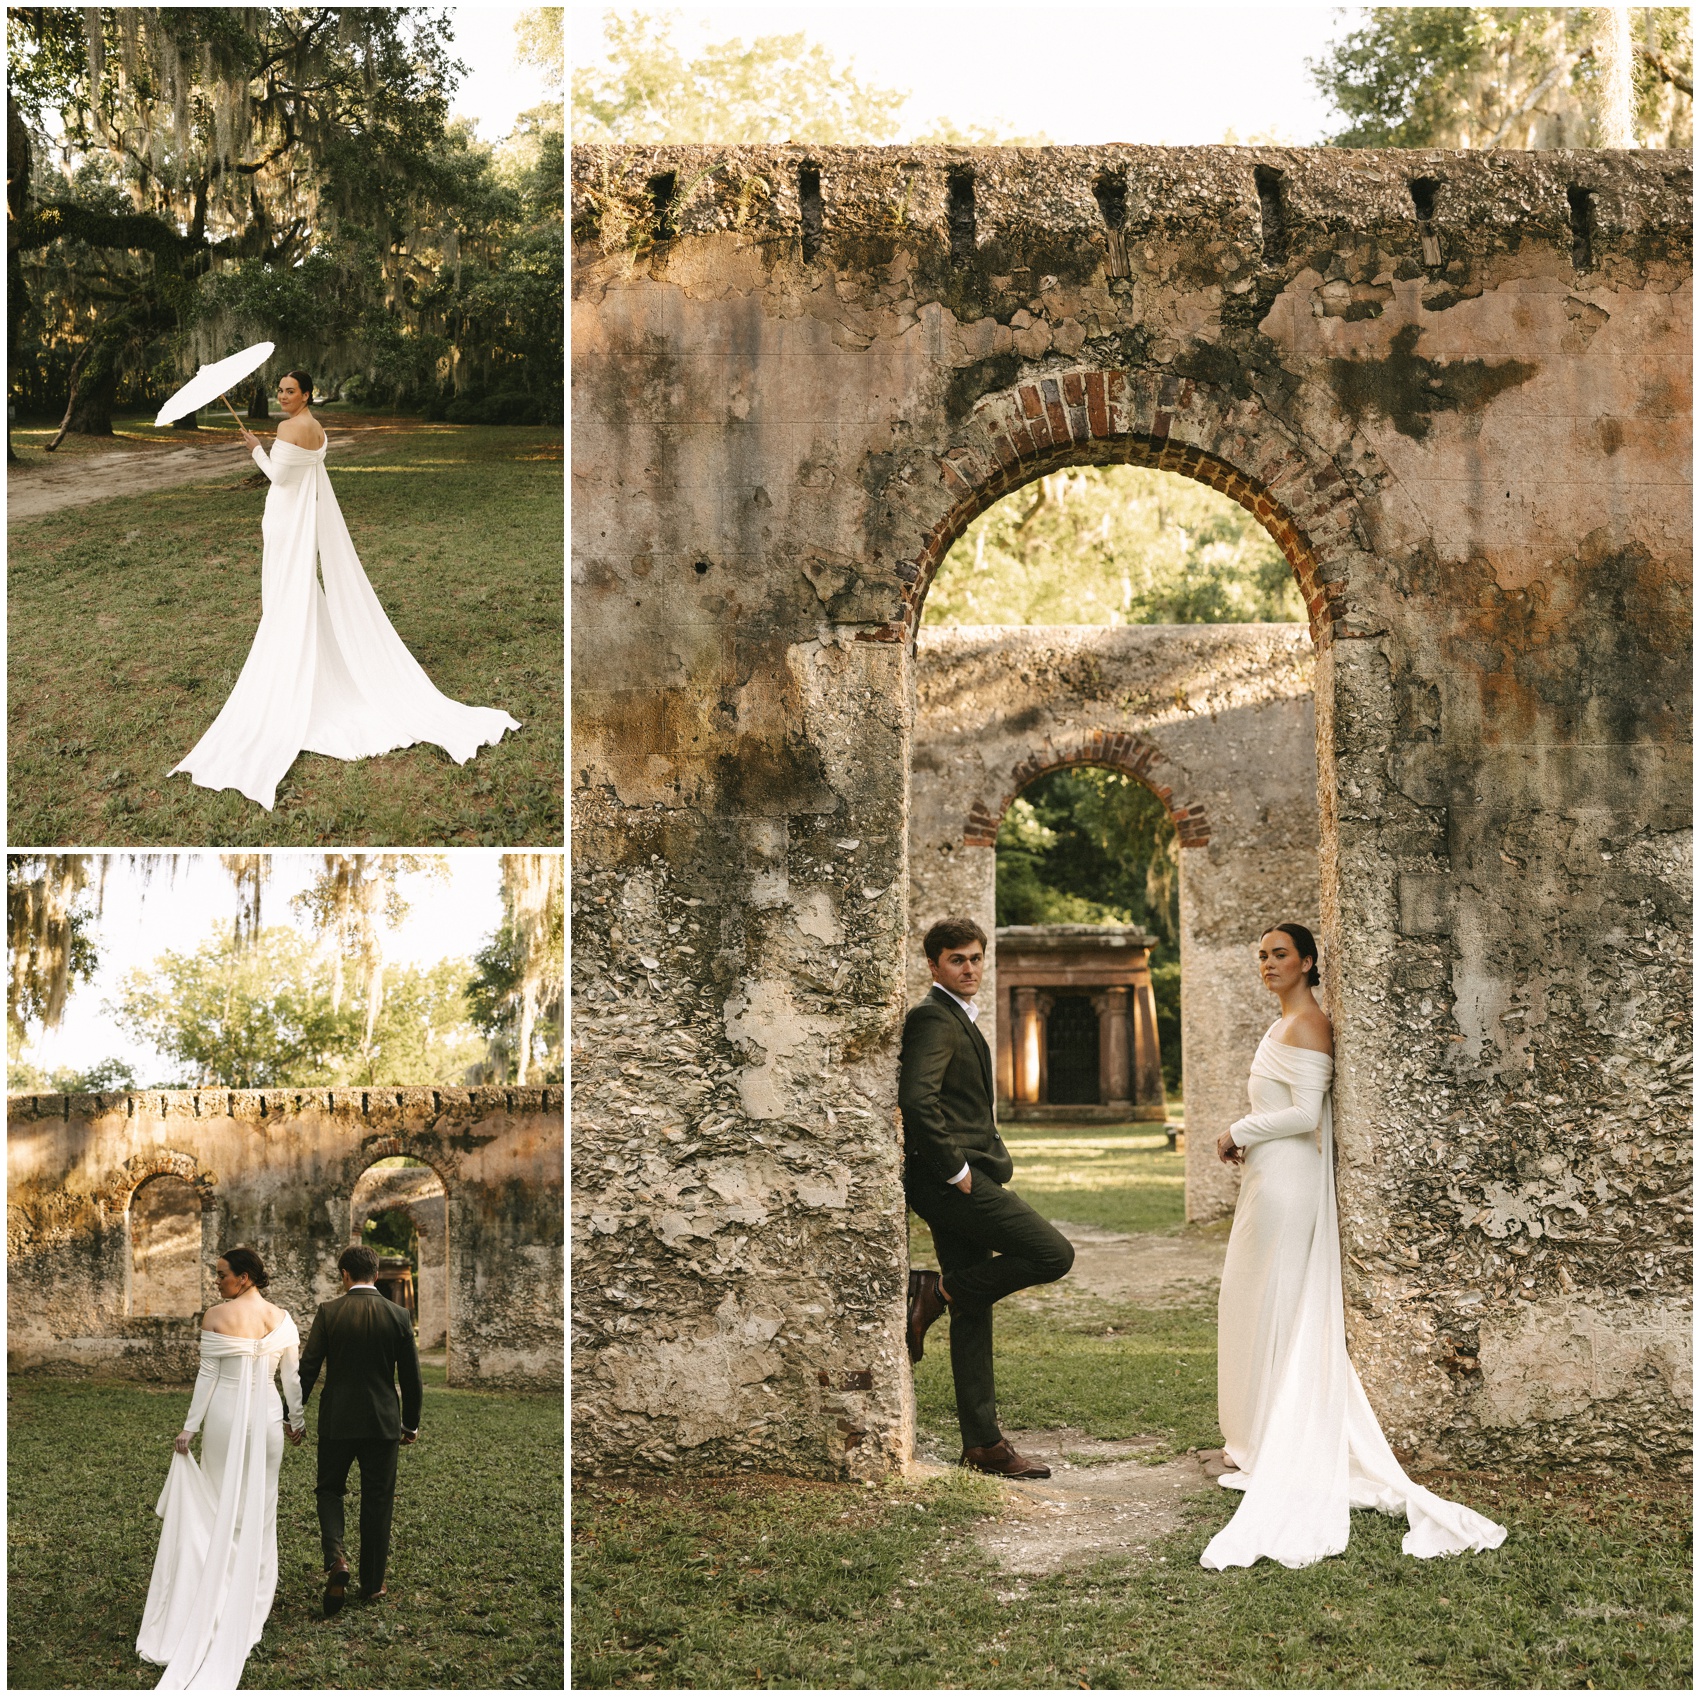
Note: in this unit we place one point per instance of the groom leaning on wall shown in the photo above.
(365, 1343)
(955, 1167)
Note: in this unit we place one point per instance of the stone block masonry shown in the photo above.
(798, 375)
(277, 1170)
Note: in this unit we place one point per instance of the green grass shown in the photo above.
(475, 1563)
(787, 1583)
(772, 1583)
(129, 620)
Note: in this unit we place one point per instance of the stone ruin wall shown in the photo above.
(278, 1169)
(1455, 388)
(1218, 721)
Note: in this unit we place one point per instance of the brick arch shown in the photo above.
(1090, 416)
(1119, 751)
(125, 1181)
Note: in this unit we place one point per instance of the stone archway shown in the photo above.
(419, 1193)
(1217, 720)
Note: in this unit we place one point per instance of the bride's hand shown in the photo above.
(1228, 1150)
(249, 439)
(182, 1441)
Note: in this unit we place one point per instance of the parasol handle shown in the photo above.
(233, 413)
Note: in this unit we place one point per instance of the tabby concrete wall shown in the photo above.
(1218, 721)
(277, 1170)
(1455, 389)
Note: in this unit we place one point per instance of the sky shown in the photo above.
(1157, 75)
(141, 921)
(496, 89)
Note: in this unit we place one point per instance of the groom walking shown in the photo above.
(955, 1167)
(365, 1343)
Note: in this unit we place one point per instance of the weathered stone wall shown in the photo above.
(277, 1170)
(799, 374)
(1218, 720)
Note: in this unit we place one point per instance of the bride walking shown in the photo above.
(216, 1570)
(1304, 1441)
(327, 673)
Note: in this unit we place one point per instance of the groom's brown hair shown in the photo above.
(359, 1262)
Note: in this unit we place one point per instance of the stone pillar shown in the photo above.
(1148, 1096)
(1005, 1052)
(1029, 1045)
(1044, 1001)
(1115, 1050)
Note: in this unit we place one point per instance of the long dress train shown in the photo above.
(326, 672)
(1305, 1443)
(216, 1570)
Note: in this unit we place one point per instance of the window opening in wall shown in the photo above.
(813, 210)
(1268, 181)
(1111, 192)
(1581, 227)
(962, 216)
(1423, 192)
(164, 1221)
(663, 190)
(400, 1210)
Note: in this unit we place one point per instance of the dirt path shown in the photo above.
(1105, 1499)
(79, 474)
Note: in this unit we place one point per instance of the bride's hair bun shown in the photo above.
(245, 1263)
(1304, 943)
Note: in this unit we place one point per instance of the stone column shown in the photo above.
(1114, 1048)
(1029, 1044)
(1148, 1096)
(1046, 999)
(1003, 1048)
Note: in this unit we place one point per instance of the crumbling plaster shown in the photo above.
(1470, 438)
(277, 1170)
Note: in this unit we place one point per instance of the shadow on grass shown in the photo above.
(129, 619)
(475, 1566)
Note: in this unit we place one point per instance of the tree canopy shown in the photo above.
(1503, 76)
(183, 180)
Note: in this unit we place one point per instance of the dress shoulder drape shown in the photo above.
(326, 672)
(1305, 1442)
(215, 1574)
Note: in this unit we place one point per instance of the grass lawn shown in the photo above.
(129, 619)
(787, 1583)
(475, 1563)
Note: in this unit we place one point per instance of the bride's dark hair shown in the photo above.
(302, 382)
(245, 1263)
(1304, 943)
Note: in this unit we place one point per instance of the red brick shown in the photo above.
(1097, 412)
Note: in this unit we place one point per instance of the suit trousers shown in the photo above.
(377, 1458)
(990, 1243)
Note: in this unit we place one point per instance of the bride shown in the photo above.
(1304, 1442)
(216, 1570)
(327, 672)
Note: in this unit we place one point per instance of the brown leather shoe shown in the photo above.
(1001, 1460)
(336, 1587)
(925, 1306)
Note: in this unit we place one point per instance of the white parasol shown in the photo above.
(210, 382)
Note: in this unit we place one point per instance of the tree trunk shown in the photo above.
(259, 409)
(187, 422)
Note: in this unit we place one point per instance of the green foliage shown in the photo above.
(494, 999)
(475, 1562)
(392, 1233)
(1114, 545)
(459, 530)
(22, 1079)
(262, 1015)
(780, 88)
(1500, 76)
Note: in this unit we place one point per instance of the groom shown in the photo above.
(955, 1167)
(365, 1343)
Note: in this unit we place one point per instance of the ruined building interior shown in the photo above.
(1453, 388)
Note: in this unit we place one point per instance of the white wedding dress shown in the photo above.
(216, 1570)
(1304, 1441)
(327, 672)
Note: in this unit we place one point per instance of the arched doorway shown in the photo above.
(400, 1208)
(163, 1264)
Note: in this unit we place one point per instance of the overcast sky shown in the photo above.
(1152, 74)
(496, 88)
(140, 922)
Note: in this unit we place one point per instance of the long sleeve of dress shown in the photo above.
(263, 461)
(205, 1380)
(289, 1373)
(1300, 1120)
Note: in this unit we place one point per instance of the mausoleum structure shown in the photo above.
(118, 1205)
(1455, 389)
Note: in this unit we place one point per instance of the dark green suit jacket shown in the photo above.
(946, 1092)
(365, 1343)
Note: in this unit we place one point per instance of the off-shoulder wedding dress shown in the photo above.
(327, 672)
(216, 1570)
(1305, 1443)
